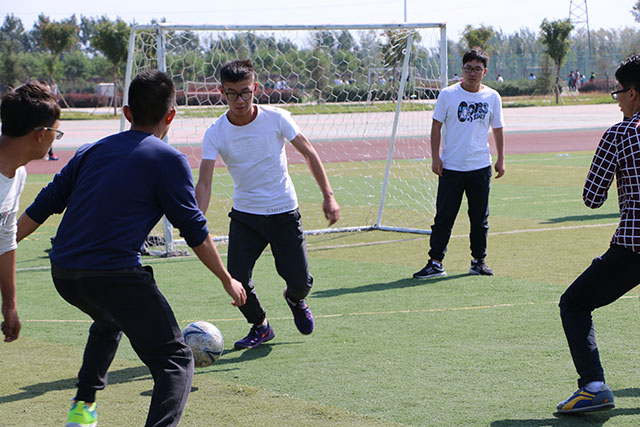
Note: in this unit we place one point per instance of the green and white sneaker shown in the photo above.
(82, 414)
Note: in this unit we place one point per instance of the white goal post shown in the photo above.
(362, 94)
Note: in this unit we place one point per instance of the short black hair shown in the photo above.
(151, 95)
(476, 54)
(27, 107)
(236, 71)
(628, 73)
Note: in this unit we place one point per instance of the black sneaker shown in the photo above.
(257, 335)
(480, 268)
(430, 270)
(302, 316)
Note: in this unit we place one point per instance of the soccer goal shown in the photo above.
(362, 94)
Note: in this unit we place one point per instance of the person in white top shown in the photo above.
(30, 119)
(464, 113)
(251, 141)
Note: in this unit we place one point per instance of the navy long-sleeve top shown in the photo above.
(114, 192)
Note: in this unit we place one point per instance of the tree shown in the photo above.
(478, 37)
(12, 43)
(554, 35)
(56, 37)
(318, 63)
(112, 40)
(393, 52)
(346, 41)
(325, 40)
(635, 11)
(86, 32)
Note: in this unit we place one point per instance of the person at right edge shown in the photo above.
(617, 271)
(467, 110)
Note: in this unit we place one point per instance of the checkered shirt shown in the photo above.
(618, 154)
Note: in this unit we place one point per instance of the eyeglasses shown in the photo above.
(469, 69)
(59, 133)
(233, 96)
(615, 93)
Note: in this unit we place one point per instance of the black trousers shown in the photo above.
(249, 235)
(451, 186)
(128, 301)
(608, 278)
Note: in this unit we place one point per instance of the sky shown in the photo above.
(508, 16)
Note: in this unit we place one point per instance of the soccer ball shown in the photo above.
(206, 342)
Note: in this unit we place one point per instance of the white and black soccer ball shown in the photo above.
(206, 342)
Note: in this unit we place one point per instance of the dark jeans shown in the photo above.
(249, 235)
(608, 278)
(129, 301)
(451, 186)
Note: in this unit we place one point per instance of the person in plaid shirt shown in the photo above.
(618, 270)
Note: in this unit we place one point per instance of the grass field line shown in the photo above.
(340, 315)
(312, 247)
(458, 236)
(535, 230)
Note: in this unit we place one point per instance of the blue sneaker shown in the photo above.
(257, 335)
(585, 401)
(82, 414)
(302, 316)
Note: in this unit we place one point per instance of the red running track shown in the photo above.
(516, 143)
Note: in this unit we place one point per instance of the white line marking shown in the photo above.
(312, 247)
(338, 315)
(458, 236)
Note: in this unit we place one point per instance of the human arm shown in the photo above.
(498, 137)
(436, 137)
(26, 226)
(329, 205)
(52, 199)
(601, 172)
(11, 323)
(209, 256)
(203, 187)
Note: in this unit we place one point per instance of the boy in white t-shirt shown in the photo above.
(251, 141)
(30, 118)
(467, 110)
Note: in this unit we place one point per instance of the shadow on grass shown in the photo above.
(587, 419)
(125, 375)
(239, 356)
(376, 287)
(615, 215)
(138, 373)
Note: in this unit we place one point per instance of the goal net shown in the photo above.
(362, 94)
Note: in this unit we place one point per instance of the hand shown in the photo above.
(237, 292)
(11, 325)
(500, 168)
(331, 210)
(436, 166)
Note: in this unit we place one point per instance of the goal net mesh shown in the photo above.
(363, 96)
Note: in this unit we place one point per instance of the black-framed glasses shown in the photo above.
(233, 96)
(59, 133)
(469, 69)
(615, 93)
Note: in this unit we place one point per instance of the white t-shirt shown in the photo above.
(256, 159)
(467, 117)
(10, 191)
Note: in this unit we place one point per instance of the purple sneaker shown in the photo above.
(302, 316)
(257, 335)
